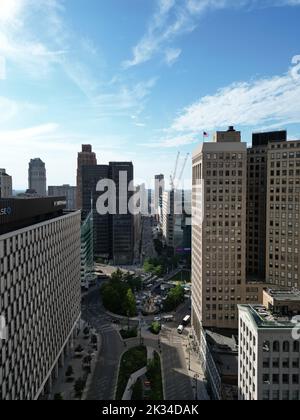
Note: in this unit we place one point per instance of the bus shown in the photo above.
(186, 320)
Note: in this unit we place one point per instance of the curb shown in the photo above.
(91, 376)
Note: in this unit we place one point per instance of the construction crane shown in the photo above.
(174, 183)
(173, 177)
(182, 170)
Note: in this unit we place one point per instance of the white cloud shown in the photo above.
(124, 100)
(9, 108)
(174, 18)
(172, 55)
(273, 101)
(28, 134)
(173, 141)
(2, 68)
(10, 10)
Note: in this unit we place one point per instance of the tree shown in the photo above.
(130, 304)
(117, 276)
(155, 328)
(174, 299)
(58, 397)
(159, 271)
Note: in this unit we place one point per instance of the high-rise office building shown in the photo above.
(257, 197)
(219, 231)
(85, 158)
(113, 233)
(37, 179)
(168, 218)
(5, 184)
(122, 223)
(269, 351)
(70, 193)
(90, 176)
(158, 193)
(283, 215)
(40, 293)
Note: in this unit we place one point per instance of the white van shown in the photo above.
(180, 329)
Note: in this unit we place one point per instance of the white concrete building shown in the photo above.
(269, 354)
(40, 294)
(5, 184)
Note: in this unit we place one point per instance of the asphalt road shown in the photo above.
(106, 371)
(177, 383)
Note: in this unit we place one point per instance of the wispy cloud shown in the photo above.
(36, 39)
(29, 134)
(172, 141)
(172, 55)
(174, 18)
(270, 101)
(10, 108)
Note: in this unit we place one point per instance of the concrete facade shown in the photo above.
(40, 300)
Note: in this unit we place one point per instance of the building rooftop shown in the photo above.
(266, 318)
(224, 349)
(285, 295)
(21, 212)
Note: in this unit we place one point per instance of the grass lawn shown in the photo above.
(155, 378)
(132, 361)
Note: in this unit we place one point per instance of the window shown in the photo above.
(286, 347)
(276, 347)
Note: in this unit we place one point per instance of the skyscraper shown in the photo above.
(219, 231)
(37, 179)
(113, 233)
(40, 293)
(283, 214)
(257, 196)
(85, 158)
(265, 191)
(5, 184)
(122, 223)
(90, 176)
(158, 193)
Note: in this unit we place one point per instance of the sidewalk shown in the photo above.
(63, 386)
(195, 372)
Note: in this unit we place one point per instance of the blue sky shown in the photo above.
(141, 79)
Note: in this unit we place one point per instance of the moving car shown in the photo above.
(180, 329)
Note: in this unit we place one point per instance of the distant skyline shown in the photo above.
(141, 79)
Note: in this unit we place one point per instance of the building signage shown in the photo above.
(6, 211)
(60, 203)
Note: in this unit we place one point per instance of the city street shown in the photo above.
(178, 383)
(106, 372)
